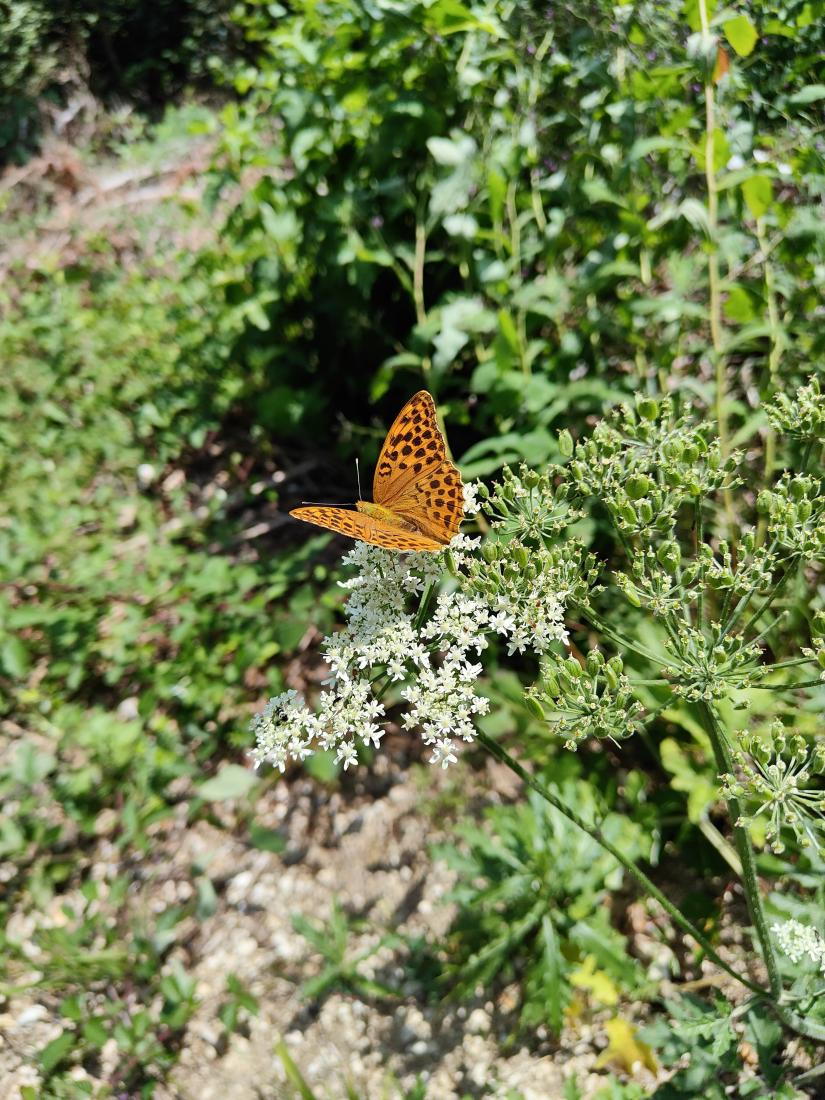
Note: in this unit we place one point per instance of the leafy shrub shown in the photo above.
(501, 203)
(531, 895)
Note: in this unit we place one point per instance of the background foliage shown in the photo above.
(503, 202)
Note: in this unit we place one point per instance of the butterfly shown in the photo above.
(419, 498)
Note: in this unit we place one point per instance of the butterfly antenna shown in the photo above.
(358, 475)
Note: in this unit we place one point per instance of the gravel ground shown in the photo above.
(368, 850)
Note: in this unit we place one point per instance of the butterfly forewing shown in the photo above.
(414, 444)
(366, 528)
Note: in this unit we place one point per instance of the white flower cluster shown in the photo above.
(388, 639)
(796, 940)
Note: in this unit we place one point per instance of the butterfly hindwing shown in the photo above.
(413, 445)
(366, 528)
(434, 502)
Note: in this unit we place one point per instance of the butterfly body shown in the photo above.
(419, 501)
(384, 515)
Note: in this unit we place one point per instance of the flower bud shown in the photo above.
(616, 664)
(594, 662)
(648, 408)
(534, 706)
(637, 486)
(669, 555)
(573, 668)
(797, 488)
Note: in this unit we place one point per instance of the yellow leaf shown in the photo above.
(624, 1049)
(597, 982)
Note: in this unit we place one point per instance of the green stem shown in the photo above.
(714, 281)
(724, 766)
(632, 868)
(777, 339)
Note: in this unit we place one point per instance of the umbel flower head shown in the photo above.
(428, 653)
(799, 941)
(780, 781)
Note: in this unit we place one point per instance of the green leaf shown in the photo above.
(94, 1031)
(268, 840)
(758, 194)
(14, 657)
(552, 984)
(30, 766)
(56, 1051)
(232, 781)
(292, 1071)
(765, 1033)
(741, 34)
(207, 902)
(809, 94)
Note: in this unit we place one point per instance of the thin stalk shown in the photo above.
(501, 754)
(418, 272)
(617, 637)
(699, 525)
(777, 339)
(714, 280)
(789, 687)
(418, 284)
(725, 849)
(724, 765)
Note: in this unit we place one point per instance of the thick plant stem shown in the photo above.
(724, 765)
(637, 873)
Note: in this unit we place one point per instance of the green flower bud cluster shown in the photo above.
(795, 510)
(644, 466)
(654, 580)
(664, 583)
(705, 667)
(780, 779)
(579, 702)
(530, 506)
(752, 569)
(802, 416)
(566, 570)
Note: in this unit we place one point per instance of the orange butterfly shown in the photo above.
(419, 499)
